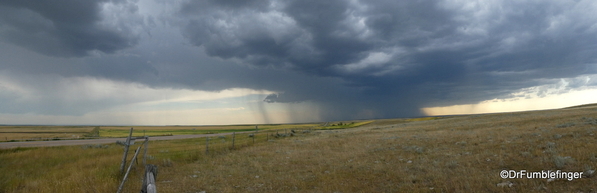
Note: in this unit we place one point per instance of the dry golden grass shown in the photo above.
(26, 133)
(123, 131)
(19, 133)
(454, 154)
(59, 169)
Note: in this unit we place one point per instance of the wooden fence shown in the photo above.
(150, 170)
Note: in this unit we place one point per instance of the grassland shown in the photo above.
(25, 133)
(39, 133)
(123, 131)
(450, 154)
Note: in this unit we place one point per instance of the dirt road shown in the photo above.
(6, 145)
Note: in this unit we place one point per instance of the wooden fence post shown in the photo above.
(233, 134)
(126, 151)
(206, 145)
(151, 173)
(128, 170)
(145, 152)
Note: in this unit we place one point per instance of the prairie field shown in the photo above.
(41, 133)
(433, 154)
(29, 133)
(123, 131)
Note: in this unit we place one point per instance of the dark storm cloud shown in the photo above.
(63, 28)
(353, 59)
(313, 35)
(408, 54)
(278, 98)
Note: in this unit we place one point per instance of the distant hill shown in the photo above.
(582, 106)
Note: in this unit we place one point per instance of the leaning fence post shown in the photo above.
(128, 170)
(126, 151)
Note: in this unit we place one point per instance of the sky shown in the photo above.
(182, 62)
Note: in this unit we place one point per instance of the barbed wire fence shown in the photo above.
(150, 170)
(166, 153)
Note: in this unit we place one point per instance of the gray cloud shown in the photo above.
(354, 59)
(63, 28)
(426, 52)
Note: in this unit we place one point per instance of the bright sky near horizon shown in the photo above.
(572, 98)
(179, 62)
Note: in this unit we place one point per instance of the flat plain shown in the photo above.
(434, 154)
(14, 133)
(38, 132)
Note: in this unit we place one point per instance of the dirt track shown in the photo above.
(6, 145)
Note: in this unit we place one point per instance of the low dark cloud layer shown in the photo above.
(354, 59)
(398, 53)
(63, 28)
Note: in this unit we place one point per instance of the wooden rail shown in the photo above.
(149, 185)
